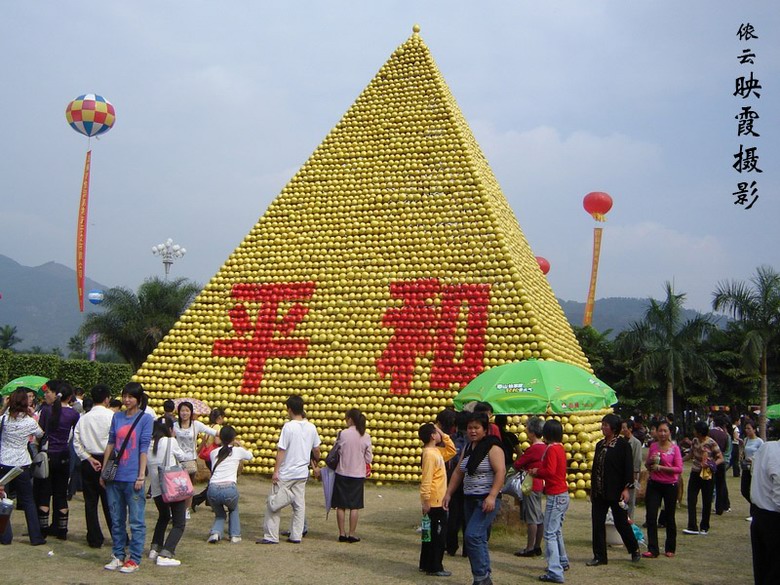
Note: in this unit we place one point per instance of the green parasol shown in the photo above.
(537, 387)
(35, 383)
(773, 411)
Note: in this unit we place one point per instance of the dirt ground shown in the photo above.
(387, 555)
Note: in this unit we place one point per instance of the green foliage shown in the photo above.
(5, 360)
(133, 324)
(29, 364)
(8, 337)
(115, 376)
(664, 350)
(79, 373)
(756, 307)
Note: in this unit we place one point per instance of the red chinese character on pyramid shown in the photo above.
(270, 337)
(420, 328)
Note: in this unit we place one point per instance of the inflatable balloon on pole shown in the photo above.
(598, 204)
(90, 115)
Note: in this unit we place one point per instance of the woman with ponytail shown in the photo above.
(57, 419)
(165, 452)
(354, 458)
(223, 491)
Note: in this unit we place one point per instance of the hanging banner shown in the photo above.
(81, 232)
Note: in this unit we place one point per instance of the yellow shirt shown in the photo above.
(433, 484)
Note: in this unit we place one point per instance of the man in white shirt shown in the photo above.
(90, 437)
(298, 449)
(765, 510)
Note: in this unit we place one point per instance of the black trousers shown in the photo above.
(722, 502)
(744, 484)
(171, 513)
(763, 537)
(695, 485)
(432, 553)
(656, 493)
(735, 468)
(598, 515)
(90, 486)
(455, 522)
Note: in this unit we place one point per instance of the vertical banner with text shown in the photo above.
(81, 232)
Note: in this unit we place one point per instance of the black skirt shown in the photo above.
(347, 492)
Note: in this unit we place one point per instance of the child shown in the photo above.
(222, 491)
(433, 486)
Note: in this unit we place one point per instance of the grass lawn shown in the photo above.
(388, 553)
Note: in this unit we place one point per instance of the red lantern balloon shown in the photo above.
(543, 264)
(598, 204)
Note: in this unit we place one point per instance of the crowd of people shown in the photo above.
(114, 451)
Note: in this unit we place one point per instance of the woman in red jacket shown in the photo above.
(553, 471)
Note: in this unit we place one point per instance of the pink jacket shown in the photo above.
(355, 453)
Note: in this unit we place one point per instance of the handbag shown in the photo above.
(332, 460)
(40, 465)
(528, 484)
(108, 473)
(513, 484)
(175, 484)
(40, 461)
(205, 451)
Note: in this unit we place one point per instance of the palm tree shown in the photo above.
(8, 337)
(663, 346)
(756, 306)
(133, 324)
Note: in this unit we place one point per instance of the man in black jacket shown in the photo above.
(611, 479)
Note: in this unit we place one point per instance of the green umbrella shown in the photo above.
(32, 382)
(537, 387)
(773, 411)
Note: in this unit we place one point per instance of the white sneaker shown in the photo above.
(686, 531)
(114, 564)
(153, 554)
(187, 515)
(703, 532)
(167, 562)
(235, 539)
(213, 538)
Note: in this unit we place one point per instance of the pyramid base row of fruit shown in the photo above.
(392, 422)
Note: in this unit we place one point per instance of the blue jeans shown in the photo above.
(224, 496)
(124, 500)
(475, 537)
(554, 549)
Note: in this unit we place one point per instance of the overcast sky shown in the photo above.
(219, 103)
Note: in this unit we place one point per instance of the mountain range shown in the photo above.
(41, 302)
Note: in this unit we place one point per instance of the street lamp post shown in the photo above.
(168, 251)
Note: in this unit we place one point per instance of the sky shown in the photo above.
(219, 103)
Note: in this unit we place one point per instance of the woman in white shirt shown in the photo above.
(17, 425)
(223, 491)
(165, 452)
(186, 430)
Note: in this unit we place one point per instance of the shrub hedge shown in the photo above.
(78, 372)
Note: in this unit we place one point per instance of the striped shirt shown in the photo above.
(481, 482)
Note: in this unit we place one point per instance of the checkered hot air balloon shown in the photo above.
(90, 115)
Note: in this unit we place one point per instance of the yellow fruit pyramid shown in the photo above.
(387, 274)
